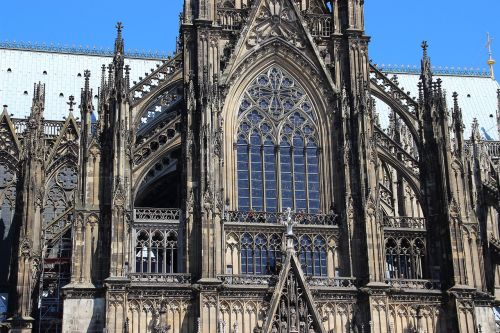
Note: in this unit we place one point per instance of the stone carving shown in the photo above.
(276, 19)
(289, 222)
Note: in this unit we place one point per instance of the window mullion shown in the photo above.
(277, 157)
(292, 170)
(263, 167)
(306, 169)
(149, 252)
(249, 162)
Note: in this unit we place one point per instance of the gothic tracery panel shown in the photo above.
(277, 146)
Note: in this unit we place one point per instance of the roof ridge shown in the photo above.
(437, 70)
(80, 50)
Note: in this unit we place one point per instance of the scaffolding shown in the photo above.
(55, 272)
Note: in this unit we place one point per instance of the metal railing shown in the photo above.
(404, 222)
(157, 214)
(80, 49)
(274, 217)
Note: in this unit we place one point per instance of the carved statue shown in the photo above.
(289, 222)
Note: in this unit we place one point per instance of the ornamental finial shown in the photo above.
(424, 48)
(71, 103)
(119, 27)
(490, 61)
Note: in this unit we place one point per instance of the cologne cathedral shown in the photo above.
(251, 183)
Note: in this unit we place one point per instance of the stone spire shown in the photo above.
(86, 100)
(38, 105)
(118, 59)
(426, 71)
(119, 45)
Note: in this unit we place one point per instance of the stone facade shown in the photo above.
(246, 185)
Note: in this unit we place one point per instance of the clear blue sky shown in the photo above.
(455, 29)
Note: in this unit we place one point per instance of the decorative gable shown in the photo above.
(292, 305)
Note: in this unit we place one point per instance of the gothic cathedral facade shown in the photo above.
(245, 185)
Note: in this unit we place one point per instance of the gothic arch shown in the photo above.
(140, 175)
(320, 104)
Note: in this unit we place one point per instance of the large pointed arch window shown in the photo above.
(277, 146)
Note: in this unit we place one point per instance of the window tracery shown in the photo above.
(404, 257)
(277, 146)
(313, 255)
(156, 251)
(260, 254)
(55, 203)
(60, 193)
(67, 178)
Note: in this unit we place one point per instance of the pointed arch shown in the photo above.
(240, 111)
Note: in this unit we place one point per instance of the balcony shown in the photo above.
(320, 25)
(405, 223)
(414, 284)
(336, 282)
(231, 19)
(276, 218)
(247, 280)
(157, 215)
(160, 278)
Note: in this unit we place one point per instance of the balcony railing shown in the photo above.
(52, 128)
(173, 278)
(404, 222)
(157, 214)
(231, 19)
(493, 148)
(273, 217)
(241, 280)
(320, 25)
(417, 284)
(336, 282)
(267, 280)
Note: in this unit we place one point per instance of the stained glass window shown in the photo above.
(260, 254)
(312, 256)
(277, 151)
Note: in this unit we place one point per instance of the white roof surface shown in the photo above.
(62, 69)
(477, 97)
(477, 94)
